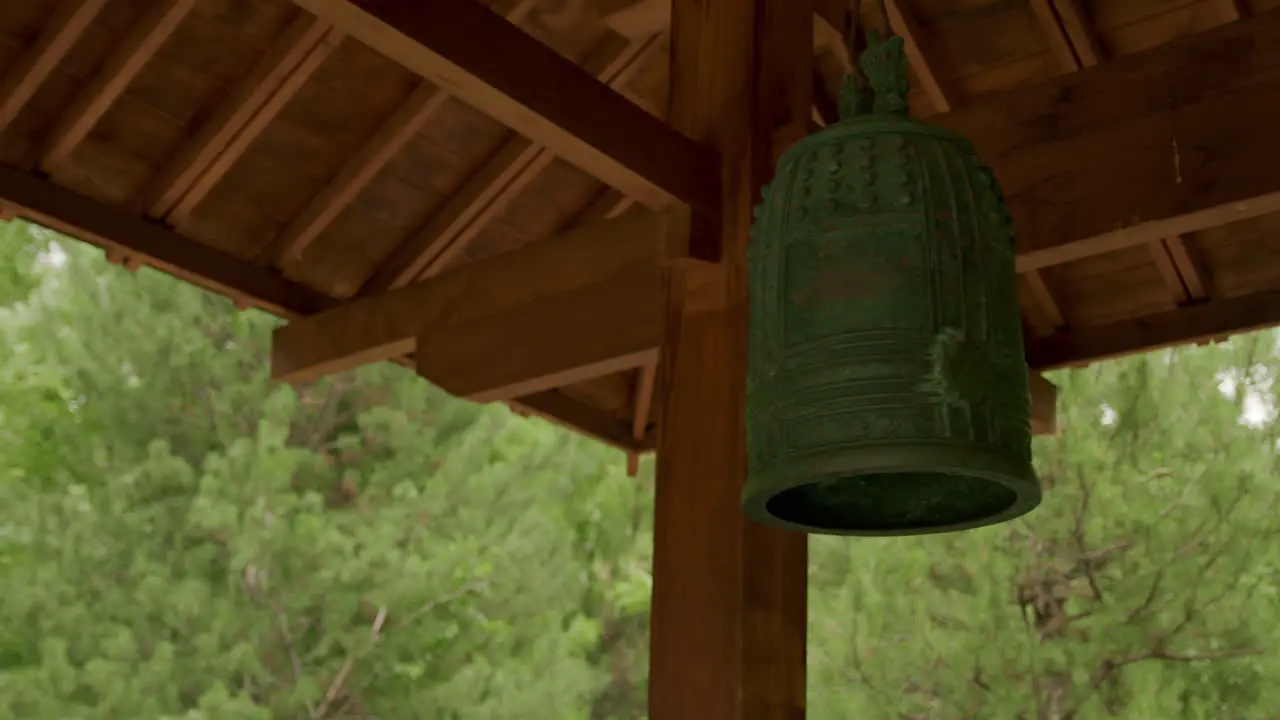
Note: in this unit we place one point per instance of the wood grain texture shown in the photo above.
(728, 616)
(491, 324)
(1162, 143)
(496, 67)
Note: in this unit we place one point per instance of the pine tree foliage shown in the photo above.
(1144, 587)
(183, 539)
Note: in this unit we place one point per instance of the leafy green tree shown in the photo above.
(1144, 587)
(182, 539)
(185, 539)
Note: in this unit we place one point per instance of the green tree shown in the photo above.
(1144, 587)
(183, 538)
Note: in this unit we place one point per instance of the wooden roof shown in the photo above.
(291, 156)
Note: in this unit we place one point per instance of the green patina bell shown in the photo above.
(887, 389)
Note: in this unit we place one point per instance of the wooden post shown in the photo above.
(728, 619)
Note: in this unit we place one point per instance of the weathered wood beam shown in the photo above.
(361, 168)
(1044, 301)
(1230, 10)
(559, 408)
(515, 316)
(920, 56)
(313, 53)
(642, 405)
(37, 62)
(499, 69)
(198, 154)
(129, 238)
(1080, 33)
(565, 336)
(128, 235)
(484, 195)
(728, 619)
(645, 18)
(1194, 323)
(125, 62)
(1055, 34)
(1044, 405)
(1166, 142)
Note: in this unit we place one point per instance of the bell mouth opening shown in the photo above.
(894, 503)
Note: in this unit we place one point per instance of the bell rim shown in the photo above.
(872, 124)
(1016, 476)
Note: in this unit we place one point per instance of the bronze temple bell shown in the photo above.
(887, 389)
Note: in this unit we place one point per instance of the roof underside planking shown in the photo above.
(292, 156)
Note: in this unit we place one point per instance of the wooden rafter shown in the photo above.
(1137, 149)
(642, 404)
(483, 197)
(1190, 267)
(111, 80)
(559, 408)
(163, 194)
(56, 39)
(1079, 30)
(1045, 302)
(646, 18)
(1044, 404)
(311, 53)
(529, 86)
(1230, 10)
(926, 68)
(1059, 42)
(609, 203)
(127, 234)
(1204, 321)
(609, 265)
(1180, 269)
(365, 164)
(356, 174)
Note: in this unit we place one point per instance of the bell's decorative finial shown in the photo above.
(886, 389)
(885, 65)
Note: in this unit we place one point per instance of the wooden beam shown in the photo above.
(559, 408)
(1161, 143)
(1055, 34)
(129, 236)
(487, 192)
(311, 53)
(1075, 22)
(111, 80)
(129, 239)
(356, 174)
(1230, 10)
(366, 163)
(199, 153)
(609, 203)
(37, 62)
(484, 295)
(1187, 261)
(1195, 323)
(904, 24)
(646, 378)
(729, 596)
(498, 68)
(1044, 405)
(1045, 300)
(563, 337)
(1168, 271)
